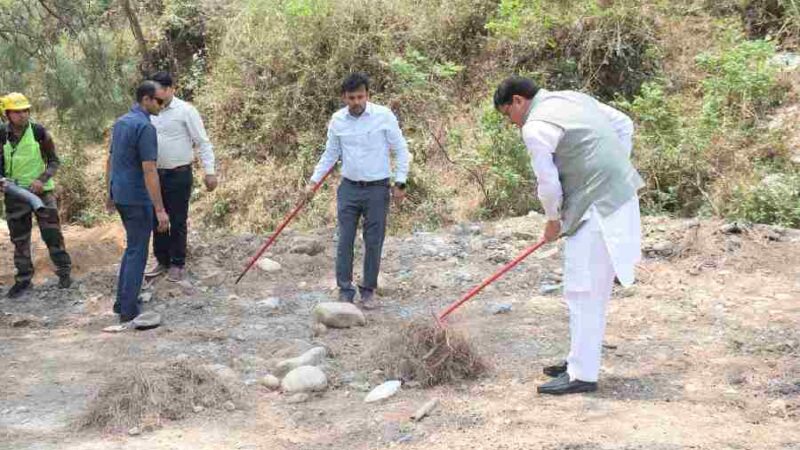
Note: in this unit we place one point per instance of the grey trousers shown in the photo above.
(354, 202)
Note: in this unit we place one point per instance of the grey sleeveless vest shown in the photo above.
(592, 166)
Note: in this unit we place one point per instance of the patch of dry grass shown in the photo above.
(146, 395)
(429, 354)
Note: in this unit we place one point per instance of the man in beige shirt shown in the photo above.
(180, 129)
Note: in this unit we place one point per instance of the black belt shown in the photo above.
(185, 168)
(383, 182)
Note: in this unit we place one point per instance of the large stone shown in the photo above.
(268, 265)
(313, 357)
(307, 246)
(305, 379)
(339, 315)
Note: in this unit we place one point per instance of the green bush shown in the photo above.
(741, 83)
(507, 175)
(773, 200)
(577, 45)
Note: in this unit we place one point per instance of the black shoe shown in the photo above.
(555, 370)
(125, 319)
(18, 289)
(64, 281)
(562, 385)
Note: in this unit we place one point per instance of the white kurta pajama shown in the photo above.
(602, 248)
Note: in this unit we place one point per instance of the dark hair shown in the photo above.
(146, 89)
(512, 86)
(163, 78)
(354, 81)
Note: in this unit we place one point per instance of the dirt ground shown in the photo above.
(702, 353)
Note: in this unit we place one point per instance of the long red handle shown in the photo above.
(282, 226)
(490, 280)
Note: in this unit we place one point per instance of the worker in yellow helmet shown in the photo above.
(28, 159)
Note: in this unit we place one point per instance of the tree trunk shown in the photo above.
(136, 28)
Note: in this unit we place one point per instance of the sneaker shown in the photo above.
(64, 281)
(159, 269)
(18, 289)
(368, 301)
(176, 274)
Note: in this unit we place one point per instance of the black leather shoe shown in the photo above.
(555, 370)
(64, 281)
(18, 289)
(562, 385)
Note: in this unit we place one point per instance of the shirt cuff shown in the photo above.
(552, 213)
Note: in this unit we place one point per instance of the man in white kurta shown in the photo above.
(574, 138)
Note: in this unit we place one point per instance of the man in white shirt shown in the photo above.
(580, 152)
(180, 129)
(362, 134)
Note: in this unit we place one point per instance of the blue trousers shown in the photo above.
(138, 223)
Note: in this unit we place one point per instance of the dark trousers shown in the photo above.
(176, 189)
(19, 216)
(138, 223)
(354, 202)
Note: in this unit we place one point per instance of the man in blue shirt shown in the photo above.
(134, 191)
(362, 134)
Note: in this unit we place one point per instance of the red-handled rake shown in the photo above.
(434, 354)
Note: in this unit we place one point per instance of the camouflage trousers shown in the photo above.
(19, 216)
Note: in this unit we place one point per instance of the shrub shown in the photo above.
(773, 200)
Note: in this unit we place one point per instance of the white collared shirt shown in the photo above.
(180, 129)
(363, 144)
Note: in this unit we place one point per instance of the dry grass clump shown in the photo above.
(429, 354)
(146, 395)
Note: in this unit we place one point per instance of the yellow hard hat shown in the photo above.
(16, 102)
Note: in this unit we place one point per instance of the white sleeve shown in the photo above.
(622, 125)
(541, 139)
(333, 151)
(200, 138)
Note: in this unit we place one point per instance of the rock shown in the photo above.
(22, 409)
(268, 265)
(146, 297)
(271, 303)
(319, 329)
(147, 320)
(501, 308)
(229, 406)
(307, 246)
(271, 382)
(547, 289)
(339, 315)
(298, 398)
(383, 391)
(664, 248)
(312, 357)
(198, 409)
(778, 407)
(305, 379)
(135, 431)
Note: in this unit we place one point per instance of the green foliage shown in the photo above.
(741, 83)
(508, 186)
(774, 200)
(681, 151)
(577, 45)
